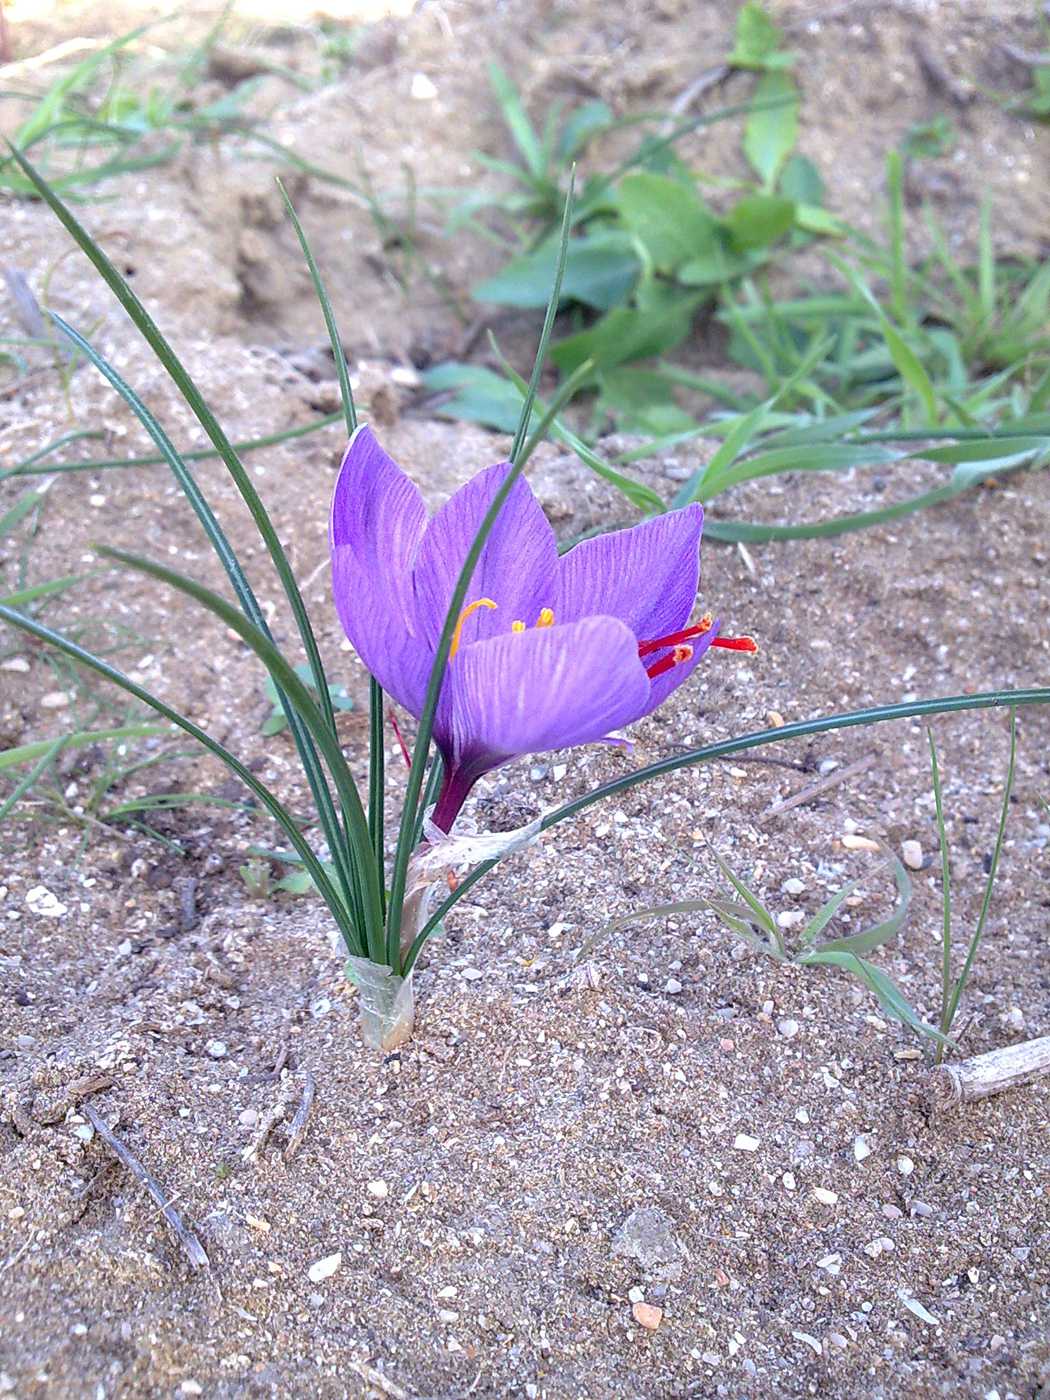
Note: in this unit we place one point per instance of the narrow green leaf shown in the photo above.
(42, 590)
(889, 996)
(303, 705)
(521, 129)
(279, 813)
(879, 714)
(771, 132)
(874, 937)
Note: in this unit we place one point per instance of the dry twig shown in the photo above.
(378, 1381)
(297, 1127)
(191, 1245)
(983, 1075)
(807, 794)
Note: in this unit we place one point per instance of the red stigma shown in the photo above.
(669, 662)
(736, 643)
(674, 638)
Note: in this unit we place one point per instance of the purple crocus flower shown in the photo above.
(549, 652)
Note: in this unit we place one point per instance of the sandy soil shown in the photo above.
(461, 1219)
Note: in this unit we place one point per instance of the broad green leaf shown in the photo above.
(669, 219)
(625, 333)
(800, 180)
(720, 262)
(600, 271)
(643, 401)
(813, 219)
(759, 219)
(757, 40)
(474, 394)
(771, 132)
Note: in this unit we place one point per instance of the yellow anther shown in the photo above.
(517, 627)
(546, 618)
(470, 608)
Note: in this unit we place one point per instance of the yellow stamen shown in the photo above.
(517, 627)
(467, 611)
(546, 618)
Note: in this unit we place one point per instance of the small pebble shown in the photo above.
(672, 985)
(790, 918)
(743, 1143)
(636, 1294)
(890, 1211)
(793, 886)
(379, 1189)
(859, 843)
(861, 1150)
(248, 1117)
(911, 854)
(471, 974)
(905, 1166)
(324, 1268)
(647, 1316)
(788, 1028)
(920, 1208)
(216, 1049)
(191, 1388)
(422, 89)
(824, 1196)
(15, 663)
(40, 900)
(54, 700)
(775, 719)
(789, 1181)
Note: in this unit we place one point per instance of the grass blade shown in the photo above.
(302, 703)
(244, 593)
(279, 813)
(725, 748)
(975, 941)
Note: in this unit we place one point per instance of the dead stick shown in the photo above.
(191, 1245)
(991, 1073)
(267, 1123)
(297, 1127)
(378, 1381)
(822, 785)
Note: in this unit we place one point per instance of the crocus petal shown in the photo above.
(517, 568)
(646, 576)
(546, 688)
(664, 685)
(378, 519)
